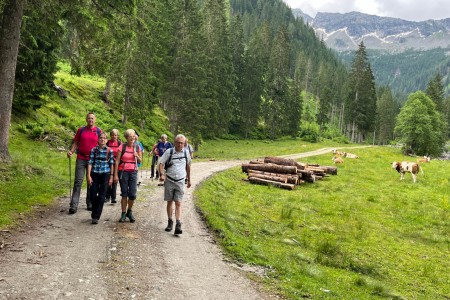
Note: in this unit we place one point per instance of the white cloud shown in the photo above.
(414, 10)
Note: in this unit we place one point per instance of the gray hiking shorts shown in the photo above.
(173, 190)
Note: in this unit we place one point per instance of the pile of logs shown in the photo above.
(284, 173)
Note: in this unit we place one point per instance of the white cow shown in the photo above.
(350, 155)
(407, 167)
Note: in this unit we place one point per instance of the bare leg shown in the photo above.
(123, 204)
(178, 210)
(169, 209)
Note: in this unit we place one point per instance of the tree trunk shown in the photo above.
(9, 47)
(106, 91)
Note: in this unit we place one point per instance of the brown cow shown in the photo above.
(338, 160)
(407, 167)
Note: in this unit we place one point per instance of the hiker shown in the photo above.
(100, 175)
(113, 143)
(125, 172)
(189, 148)
(155, 156)
(178, 168)
(163, 145)
(136, 137)
(85, 139)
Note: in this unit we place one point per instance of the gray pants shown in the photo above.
(80, 172)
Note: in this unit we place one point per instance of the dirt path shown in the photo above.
(61, 256)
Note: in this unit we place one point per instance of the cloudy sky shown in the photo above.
(413, 10)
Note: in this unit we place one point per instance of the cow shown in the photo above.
(407, 167)
(350, 155)
(425, 159)
(337, 153)
(337, 160)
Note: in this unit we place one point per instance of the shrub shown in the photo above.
(310, 132)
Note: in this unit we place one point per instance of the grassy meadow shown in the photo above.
(248, 149)
(362, 234)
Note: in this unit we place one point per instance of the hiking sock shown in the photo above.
(130, 216)
(169, 225)
(123, 217)
(178, 228)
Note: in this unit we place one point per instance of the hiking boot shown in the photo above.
(178, 228)
(72, 211)
(106, 200)
(94, 221)
(169, 225)
(130, 216)
(123, 217)
(89, 208)
(113, 201)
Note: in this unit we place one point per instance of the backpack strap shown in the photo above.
(83, 128)
(96, 152)
(124, 149)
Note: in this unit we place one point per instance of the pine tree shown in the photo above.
(38, 54)
(435, 90)
(184, 97)
(255, 69)
(238, 52)
(276, 92)
(220, 87)
(361, 103)
(387, 110)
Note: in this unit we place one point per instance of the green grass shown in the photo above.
(362, 234)
(248, 149)
(33, 179)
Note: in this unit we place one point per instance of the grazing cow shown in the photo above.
(425, 159)
(350, 155)
(337, 160)
(407, 167)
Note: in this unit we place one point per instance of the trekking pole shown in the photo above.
(70, 179)
(149, 165)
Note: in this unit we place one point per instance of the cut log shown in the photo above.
(310, 179)
(270, 168)
(257, 161)
(282, 179)
(305, 173)
(286, 186)
(330, 169)
(291, 178)
(280, 161)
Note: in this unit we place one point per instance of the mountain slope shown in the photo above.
(346, 31)
(404, 55)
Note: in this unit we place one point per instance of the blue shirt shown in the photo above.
(163, 147)
(101, 161)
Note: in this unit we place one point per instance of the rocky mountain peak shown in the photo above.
(345, 31)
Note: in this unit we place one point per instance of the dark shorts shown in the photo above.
(128, 184)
